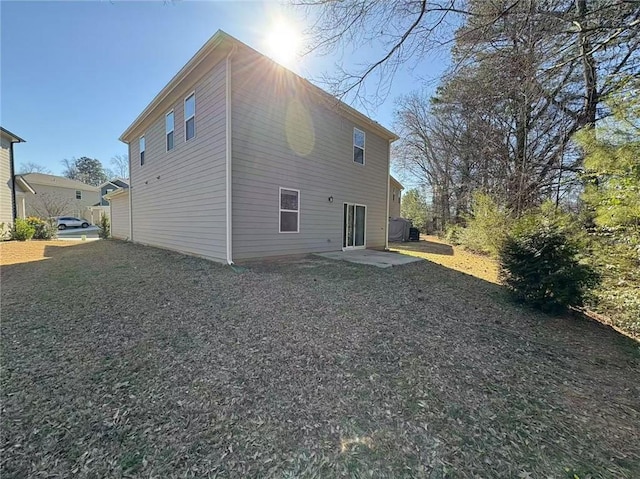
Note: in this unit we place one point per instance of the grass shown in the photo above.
(125, 361)
(437, 251)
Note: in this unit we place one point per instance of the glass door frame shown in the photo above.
(345, 229)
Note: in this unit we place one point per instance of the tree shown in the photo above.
(587, 40)
(120, 165)
(31, 167)
(50, 205)
(87, 170)
(612, 162)
(415, 208)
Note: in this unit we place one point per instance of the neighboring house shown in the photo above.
(12, 187)
(395, 193)
(21, 188)
(238, 157)
(119, 202)
(109, 186)
(57, 195)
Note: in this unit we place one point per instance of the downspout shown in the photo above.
(14, 211)
(386, 223)
(130, 201)
(229, 157)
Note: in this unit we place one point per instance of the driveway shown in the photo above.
(126, 361)
(77, 233)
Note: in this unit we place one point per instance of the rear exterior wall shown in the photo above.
(283, 136)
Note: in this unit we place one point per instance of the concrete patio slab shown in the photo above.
(381, 259)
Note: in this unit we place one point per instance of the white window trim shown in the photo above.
(141, 150)
(353, 139)
(78, 191)
(173, 129)
(184, 109)
(280, 210)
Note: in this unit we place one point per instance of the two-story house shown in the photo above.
(109, 186)
(395, 197)
(12, 187)
(57, 195)
(238, 157)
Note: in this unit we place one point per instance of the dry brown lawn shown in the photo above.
(120, 360)
(15, 252)
(435, 250)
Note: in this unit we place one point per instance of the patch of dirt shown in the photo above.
(435, 250)
(120, 360)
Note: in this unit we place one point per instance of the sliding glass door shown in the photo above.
(354, 221)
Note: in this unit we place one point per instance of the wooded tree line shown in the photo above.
(530, 147)
(87, 170)
(526, 75)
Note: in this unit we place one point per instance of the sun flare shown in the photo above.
(283, 42)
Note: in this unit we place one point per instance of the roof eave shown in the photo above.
(14, 138)
(200, 55)
(113, 194)
(24, 184)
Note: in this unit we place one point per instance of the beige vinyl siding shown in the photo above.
(312, 152)
(178, 197)
(120, 216)
(394, 202)
(6, 183)
(59, 195)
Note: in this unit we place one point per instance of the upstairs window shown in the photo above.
(289, 210)
(141, 150)
(169, 130)
(190, 117)
(78, 194)
(358, 146)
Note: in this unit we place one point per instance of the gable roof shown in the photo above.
(12, 136)
(117, 182)
(114, 193)
(24, 184)
(395, 183)
(224, 43)
(60, 181)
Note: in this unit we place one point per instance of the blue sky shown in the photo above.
(74, 75)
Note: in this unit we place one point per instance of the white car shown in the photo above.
(65, 222)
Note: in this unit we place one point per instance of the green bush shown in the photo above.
(105, 227)
(22, 230)
(453, 234)
(43, 230)
(487, 226)
(539, 264)
(616, 257)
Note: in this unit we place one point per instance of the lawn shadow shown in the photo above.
(425, 246)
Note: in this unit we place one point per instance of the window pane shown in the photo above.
(78, 195)
(288, 221)
(191, 128)
(358, 155)
(358, 138)
(141, 158)
(142, 143)
(190, 106)
(360, 218)
(288, 200)
(170, 141)
(169, 122)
